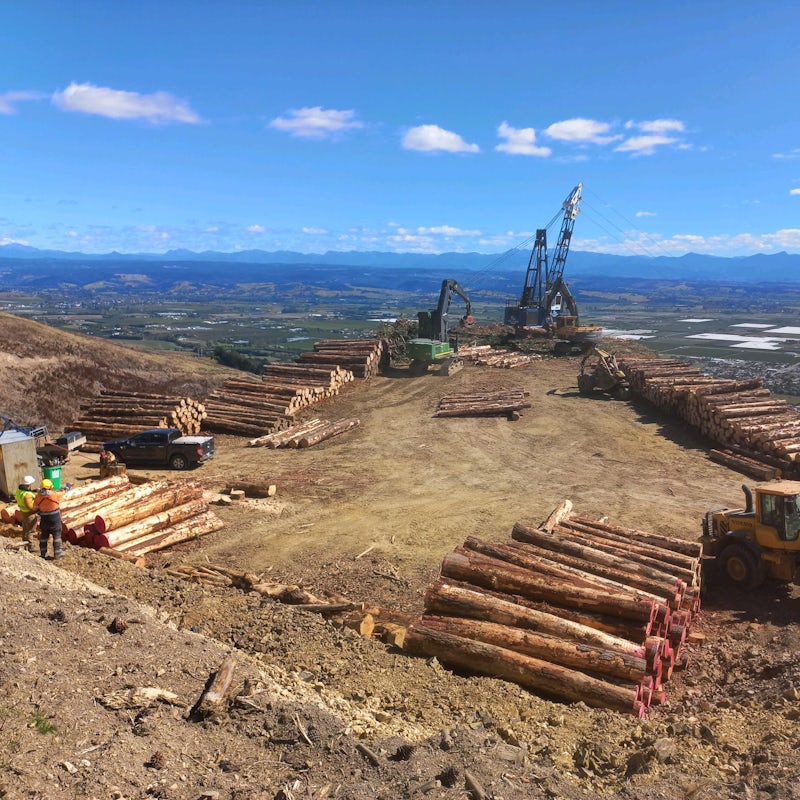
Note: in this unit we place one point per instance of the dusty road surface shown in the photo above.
(411, 487)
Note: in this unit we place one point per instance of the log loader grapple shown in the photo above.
(601, 373)
(759, 541)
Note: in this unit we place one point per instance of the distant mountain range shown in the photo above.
(778, 267)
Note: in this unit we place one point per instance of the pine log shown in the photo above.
(529, 672)
(454, 598)
(489, 572)
(691, 549)
(333, 429)
(155, 522)
(191, 528)
(609, 663)
(161, 499)
(607, 565)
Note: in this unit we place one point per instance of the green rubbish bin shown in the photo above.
(54, 473)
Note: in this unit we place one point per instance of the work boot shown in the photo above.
(57, 555)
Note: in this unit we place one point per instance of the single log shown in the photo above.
(557, 515)
(530, 672)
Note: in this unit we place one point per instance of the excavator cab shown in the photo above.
(761, 540)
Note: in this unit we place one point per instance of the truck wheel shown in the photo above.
(741, 567)
(179, 462)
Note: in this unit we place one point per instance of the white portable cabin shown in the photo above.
(17, 459)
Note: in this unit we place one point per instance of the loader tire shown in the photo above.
(742, 567)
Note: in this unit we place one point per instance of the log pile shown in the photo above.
(362, 357)
(135, 519)
(576, 608)
(305, 434)
(483, 355)
(739, 415)
(496, 402)
(244, 407)
(115, 415)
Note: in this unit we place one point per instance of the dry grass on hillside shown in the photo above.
(47, 374)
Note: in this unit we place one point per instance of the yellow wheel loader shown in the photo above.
(759, 541)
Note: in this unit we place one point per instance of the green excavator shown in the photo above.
(432, 345)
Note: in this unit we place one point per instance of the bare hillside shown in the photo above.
(46, 373)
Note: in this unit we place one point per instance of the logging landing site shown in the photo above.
(103, 660)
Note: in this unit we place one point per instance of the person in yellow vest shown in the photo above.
(25, 495)
(48, 506)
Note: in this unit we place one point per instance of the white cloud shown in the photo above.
(645, 213)
(8, 240)
(213, 229)
(581, 131)
(794, 191)
(316, 122)
(792, 154)
(315, 231)
(657, 125)
(644, 145)
(8, 100)
(519, 141)
(448, 230)
(116, 104)
(654, 244)
(428, 138)
(255, 229)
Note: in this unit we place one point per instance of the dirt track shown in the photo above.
(414, 486)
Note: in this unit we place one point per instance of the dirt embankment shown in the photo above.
(412, 487)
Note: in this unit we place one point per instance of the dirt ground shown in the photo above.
(411, 487)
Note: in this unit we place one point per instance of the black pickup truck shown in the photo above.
(164, 447)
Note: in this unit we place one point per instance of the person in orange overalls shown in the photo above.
(48, 506)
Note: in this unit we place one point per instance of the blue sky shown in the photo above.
(399, 126)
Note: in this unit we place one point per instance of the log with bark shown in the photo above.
(527, 671)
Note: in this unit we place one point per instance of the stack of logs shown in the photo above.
(759, 433)
(577, 608)
(361, 356)
(245, 407)
(484, 355)
(258, 408)
(305, 434)
(116, 414)
(135, 519)
(496, 402)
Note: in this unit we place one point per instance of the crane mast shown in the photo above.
(543, 281)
